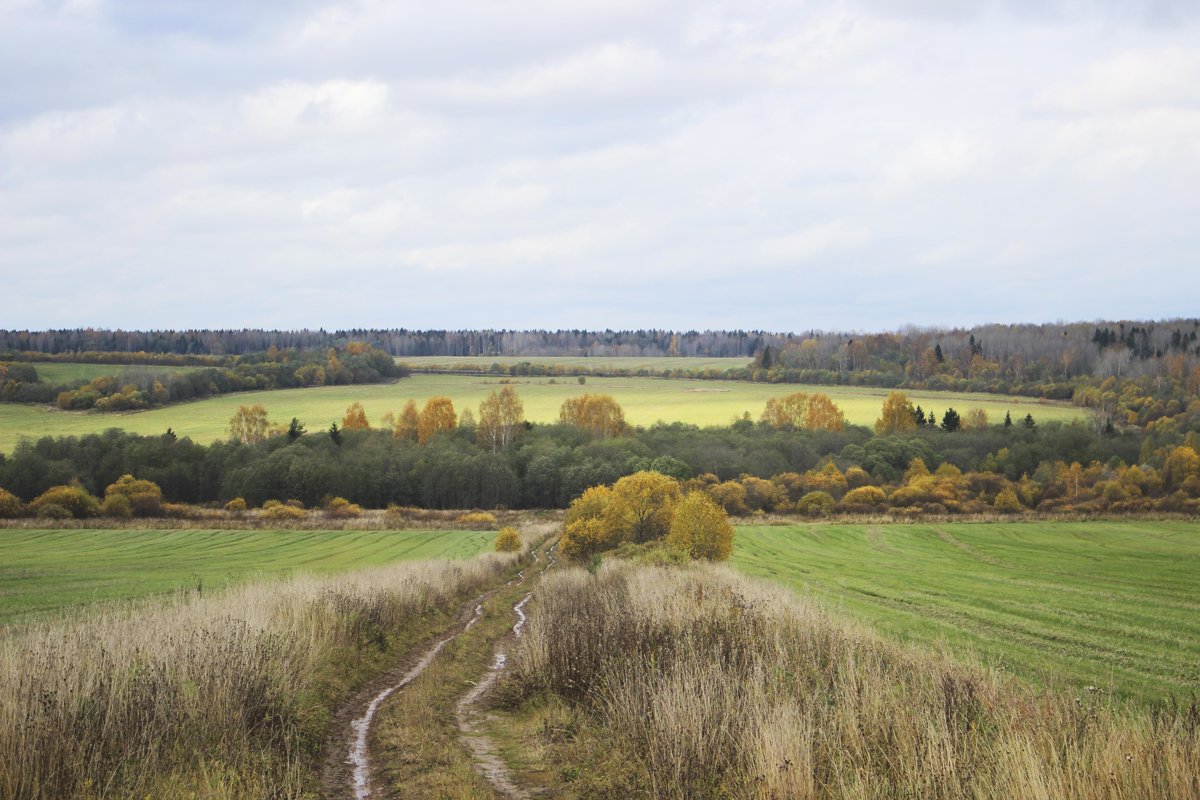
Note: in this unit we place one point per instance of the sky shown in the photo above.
(684, 164)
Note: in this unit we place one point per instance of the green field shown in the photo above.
(590, 362)
(1109, 604)
(645, 400)
(58, 374)
(47, 571)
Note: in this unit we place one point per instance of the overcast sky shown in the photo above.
(597, 163)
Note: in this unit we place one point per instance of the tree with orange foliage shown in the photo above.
(356, 418)
(436, 417)
(787, 413)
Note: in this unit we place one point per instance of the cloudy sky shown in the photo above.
(597, 163)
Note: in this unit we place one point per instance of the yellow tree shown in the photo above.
(356, 418)
(436, 417)
(701, 529)
(786, 413)
(586, 531)
(823, 414)
(897, 415)
(975, 420)
(599, 414)
(409, 422)
(500, 416)
(249, 425)
(642, 506)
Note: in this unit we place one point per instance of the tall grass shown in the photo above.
(707, 684)
(209, 696)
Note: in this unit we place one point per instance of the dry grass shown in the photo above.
(699, 683)
(220, 696)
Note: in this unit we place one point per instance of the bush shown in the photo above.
(275, 510)
(864, 498)
(1007, 502)
(816, 504)
(341, 508)
(508, 540)
(116, 505)
(76, 500)
(10, 505)
(145, 497)
(53, 511)
(236, 506)
(701, 528)
(477, 519)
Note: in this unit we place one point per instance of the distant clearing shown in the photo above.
(46, 571)
(645, 400)
(64, 373)
(590, 362)
(1106, 604)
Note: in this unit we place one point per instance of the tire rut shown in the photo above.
(471, 717)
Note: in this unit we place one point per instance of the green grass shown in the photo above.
(58, 374)
(591, 362)
(645, 400)
(1109, 604)
(48, 571)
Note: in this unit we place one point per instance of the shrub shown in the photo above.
(816, 504)
(864, 498)
(77, 501)
(116, 505)
(508, 540)
(10, 505)
(1007, 502)
(477, 519)
(341, 508)
(145, 497)
(275, 510)
(53, 511)
(237, 505)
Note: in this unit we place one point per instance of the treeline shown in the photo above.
(139, 387)
(746, 467)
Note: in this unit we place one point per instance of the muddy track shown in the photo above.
(347, 773)
(471, 717)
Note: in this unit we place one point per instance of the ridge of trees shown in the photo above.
(140, 386)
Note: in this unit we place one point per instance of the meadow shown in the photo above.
(1109, 604)
(65, 373)
(645, 400)
(657, 363)
(43, 572)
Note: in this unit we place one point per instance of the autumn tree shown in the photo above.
(976, 419)
(786, 413)
(436, 417)
(249, 425)
(642, 506)
(824, 415)
(501, 415)
(701, 528)
(897, 415)
(409, 423)
(356, 418)
(599, 414)
(586, 530)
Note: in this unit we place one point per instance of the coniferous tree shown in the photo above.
(951, 420)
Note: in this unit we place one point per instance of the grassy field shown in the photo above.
(632, 363)
(46, 571)
(59, 374)
(645, 400)
(1109, 604)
